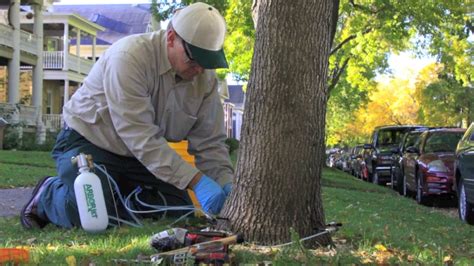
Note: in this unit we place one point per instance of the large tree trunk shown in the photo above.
(278, 173)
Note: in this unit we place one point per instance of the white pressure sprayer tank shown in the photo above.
(89, 196)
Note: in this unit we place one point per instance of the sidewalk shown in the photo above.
(12, 200)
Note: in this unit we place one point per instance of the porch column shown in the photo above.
(14, 63)
(37, 97)
(65, 46)
(66, 90)
(94, 40)
(78, 49)
(78, 42)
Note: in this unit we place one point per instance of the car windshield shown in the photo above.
(411, 139)
(390, 137)
(442, 142)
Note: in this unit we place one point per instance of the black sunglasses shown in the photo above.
(187, 50)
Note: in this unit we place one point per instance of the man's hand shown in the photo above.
(209, 194)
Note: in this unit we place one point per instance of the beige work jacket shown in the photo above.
(131, 104)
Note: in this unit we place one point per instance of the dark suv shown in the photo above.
(379, 158)
(396, 177)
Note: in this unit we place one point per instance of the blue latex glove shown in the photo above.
(227, 189)
(209, 194)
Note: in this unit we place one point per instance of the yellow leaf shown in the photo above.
(51, 247)
(71, 261)
(447, 259)
(23, 247)
(380, 247)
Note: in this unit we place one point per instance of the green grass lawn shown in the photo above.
(24, 168)
(379, 226)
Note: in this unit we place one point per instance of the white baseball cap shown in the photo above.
(203, 30)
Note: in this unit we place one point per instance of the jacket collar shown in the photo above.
(165, 64)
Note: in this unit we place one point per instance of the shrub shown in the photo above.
(233, 144)
(27, 142)
(11, 137)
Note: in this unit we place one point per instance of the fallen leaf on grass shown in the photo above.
(51, 247)
(382, 256)
(71, 261)
(380, 247)
(447, 259)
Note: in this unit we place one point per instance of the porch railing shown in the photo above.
(28, 116)
(53, 121)
(55, 60)
(19, 113)
(5, 35)
(27, 40)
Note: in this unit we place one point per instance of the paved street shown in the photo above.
(12, 200)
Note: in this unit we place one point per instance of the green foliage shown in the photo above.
(26, 141)
(29, 142)
(163, 9)
(240, 39)
(368, 31)
(444, 100)
(233, 144)
(11, 137)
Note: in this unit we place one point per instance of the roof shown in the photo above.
(119, 20)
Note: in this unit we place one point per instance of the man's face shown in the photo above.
(180, 58)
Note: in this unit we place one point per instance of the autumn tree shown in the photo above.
(392, 103)
(277, 184)
(445, 101)
(369, 31)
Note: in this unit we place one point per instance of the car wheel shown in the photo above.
(375, 178)
(465, 209)
(420, 198)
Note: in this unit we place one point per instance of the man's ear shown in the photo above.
(170, 37)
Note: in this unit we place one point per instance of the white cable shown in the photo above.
(102, 169)
(155, 208)
(326, 231)
(124, 221)
(113, 197)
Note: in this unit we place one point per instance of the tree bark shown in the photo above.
(278, 174)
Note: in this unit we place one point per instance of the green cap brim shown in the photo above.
(208, 59)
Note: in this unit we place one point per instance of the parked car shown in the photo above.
(354, 158)
(464, 176)
(396, 174)
(379, 155)
(428, 166)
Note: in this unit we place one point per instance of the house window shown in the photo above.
(49, 102)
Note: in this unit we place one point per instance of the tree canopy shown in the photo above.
(367, 32)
